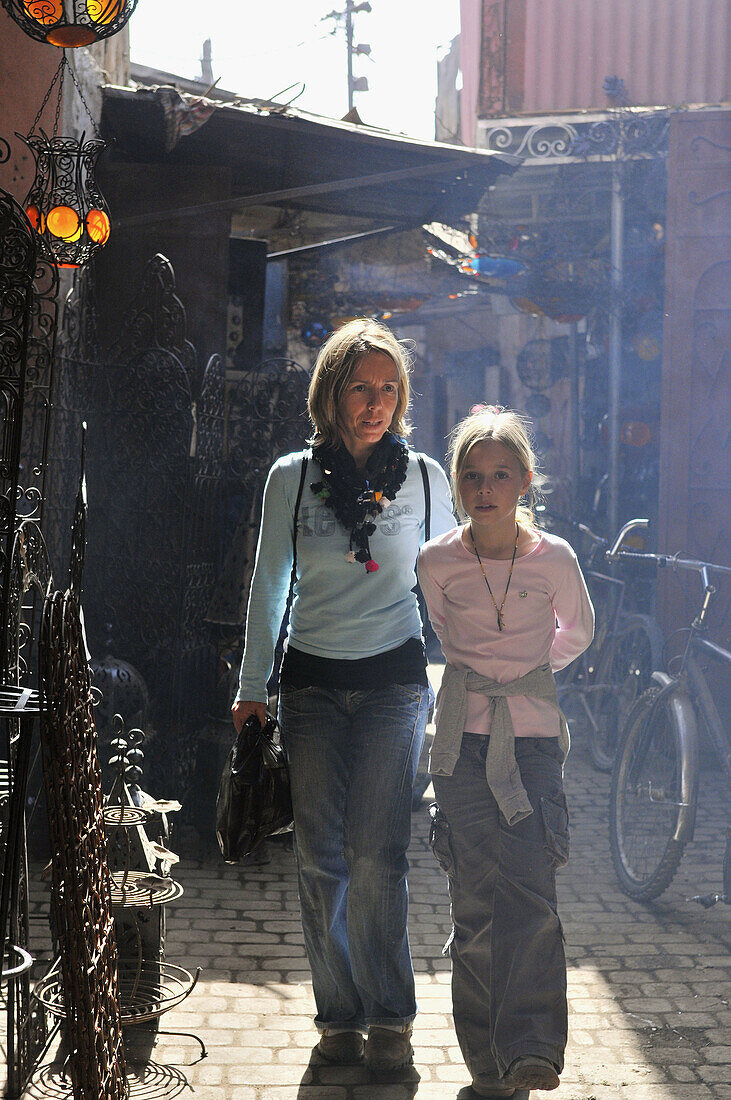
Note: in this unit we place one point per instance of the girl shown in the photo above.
(510, 607)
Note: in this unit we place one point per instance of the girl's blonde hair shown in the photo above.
(504, 426)
(335, 366)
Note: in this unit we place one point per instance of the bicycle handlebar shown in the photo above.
(673, 561)
(634, 524)
(598, 540)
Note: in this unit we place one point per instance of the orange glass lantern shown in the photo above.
(64, 204)
(69, 23)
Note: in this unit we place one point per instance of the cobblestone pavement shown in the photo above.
(648, 984)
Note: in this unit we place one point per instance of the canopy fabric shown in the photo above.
(279, 156)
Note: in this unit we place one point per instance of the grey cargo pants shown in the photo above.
(508, 962)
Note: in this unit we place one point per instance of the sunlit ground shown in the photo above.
(648, 984)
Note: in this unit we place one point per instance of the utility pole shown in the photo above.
(355, 83)
(349, 44)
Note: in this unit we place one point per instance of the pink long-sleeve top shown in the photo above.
(548, 619)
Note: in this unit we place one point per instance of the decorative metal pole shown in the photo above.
(615, 335)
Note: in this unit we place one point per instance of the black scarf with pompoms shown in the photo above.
(358, 496)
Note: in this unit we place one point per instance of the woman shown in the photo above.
(353, 686)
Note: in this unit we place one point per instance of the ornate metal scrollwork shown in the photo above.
(18, 254)
(626, 132)
(154, 472)
(266, 418)
(155, 320)
(69, 25)
(81, 880)
(33, 486)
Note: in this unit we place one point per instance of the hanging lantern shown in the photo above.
(69, 23)
(64, 204)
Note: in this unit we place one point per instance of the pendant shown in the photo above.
(499, 621)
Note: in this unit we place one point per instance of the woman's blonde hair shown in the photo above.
(504, 426)
(335, 366)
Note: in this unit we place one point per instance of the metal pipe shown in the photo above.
(267, 198)
(615, 339)
(332, 242)
(575, 470)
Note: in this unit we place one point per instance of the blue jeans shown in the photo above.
(352, 760)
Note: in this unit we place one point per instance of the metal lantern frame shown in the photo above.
(64, 204)
(70, 23)
(64, 185)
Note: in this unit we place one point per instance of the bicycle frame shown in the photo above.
(687, 691)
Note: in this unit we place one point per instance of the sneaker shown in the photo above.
(387, 1050)
(344, 1047)
(533, 1072)
(492, 1088)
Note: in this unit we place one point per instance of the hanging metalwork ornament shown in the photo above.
(64, 204)
(70, 23)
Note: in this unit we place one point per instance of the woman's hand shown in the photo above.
(244, 709)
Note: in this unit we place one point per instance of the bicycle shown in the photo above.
(607, 678)
(654, 790)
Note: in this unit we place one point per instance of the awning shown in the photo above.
(282, 157)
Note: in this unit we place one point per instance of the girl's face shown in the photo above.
(490, 484)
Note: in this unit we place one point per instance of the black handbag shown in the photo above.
(254, 800)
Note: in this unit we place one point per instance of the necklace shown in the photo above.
(510, 574)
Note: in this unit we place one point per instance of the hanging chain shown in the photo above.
(59, 78)
(62, 71)
(86, 105)
(59, 75)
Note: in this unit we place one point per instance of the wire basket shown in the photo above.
(142, 890)
(144, 993)
(15, 962)
(124, 816)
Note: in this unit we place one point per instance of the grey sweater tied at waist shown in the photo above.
(501, 769)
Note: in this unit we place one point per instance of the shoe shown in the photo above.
(344, 1047)
(492, 1088)
(388, 1050)
(532, 1072)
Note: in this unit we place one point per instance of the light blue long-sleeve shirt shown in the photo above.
(339, 610)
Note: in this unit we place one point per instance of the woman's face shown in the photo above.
(368, 404)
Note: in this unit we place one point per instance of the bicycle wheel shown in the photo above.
(646, 799)
(623, 673)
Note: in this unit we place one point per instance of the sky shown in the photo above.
(259, 49)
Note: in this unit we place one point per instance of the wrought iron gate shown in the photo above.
(154, 467)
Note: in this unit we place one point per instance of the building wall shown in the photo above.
(26, 73)
(532, 56)
(470, 13)
(673, 52)
(447, 119)
(695, 486)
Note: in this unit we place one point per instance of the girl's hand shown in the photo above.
(244, 709)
